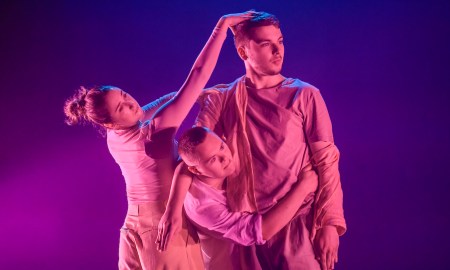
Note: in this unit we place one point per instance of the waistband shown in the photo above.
(145, 208)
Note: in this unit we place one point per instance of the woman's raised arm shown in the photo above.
(172, 114)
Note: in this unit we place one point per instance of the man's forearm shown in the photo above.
(329, 197)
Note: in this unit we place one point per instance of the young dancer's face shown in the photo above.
(124, 110)
(265, 50)
(214, 159)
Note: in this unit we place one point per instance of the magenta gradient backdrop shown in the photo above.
(383, 69)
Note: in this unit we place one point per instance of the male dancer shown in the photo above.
(274, 126)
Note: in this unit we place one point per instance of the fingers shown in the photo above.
(165, 235)
(323, 263)
(330, 260)
(166, 238)
(327, 259)
(335, 258)
(160, 236)
(322, 258)
(233, 30)
(335, 255)
(236, 18)
(172, 231)
(249, 13)
(163, 228)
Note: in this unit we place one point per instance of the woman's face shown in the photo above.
(124, 110)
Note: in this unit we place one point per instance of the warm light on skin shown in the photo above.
(263, 53)
(213, 160)
(124, 110)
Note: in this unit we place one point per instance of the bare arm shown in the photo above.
(280, 215)
(171, 221)
(174, 111)
(213, 216)
(272, 221)
(181, 182)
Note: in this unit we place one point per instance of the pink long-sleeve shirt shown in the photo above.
(218, 227)
(269, 132)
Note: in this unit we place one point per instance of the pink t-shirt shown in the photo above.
(146, 161)
(280, 122)
(218, 227)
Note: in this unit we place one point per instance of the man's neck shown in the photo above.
(262, 81)
(217, 183)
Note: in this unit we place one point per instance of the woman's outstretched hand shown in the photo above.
(231, 20)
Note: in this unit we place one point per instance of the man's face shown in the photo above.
(214, 159)
(265, 50)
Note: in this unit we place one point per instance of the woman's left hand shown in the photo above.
(169, 225)
(230, 20)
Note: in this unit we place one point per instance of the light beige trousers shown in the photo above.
(137, 248)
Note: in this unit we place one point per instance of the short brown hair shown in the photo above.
(190, 139)
(242, 30)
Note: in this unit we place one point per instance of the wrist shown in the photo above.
(223, 24)
(174, 207)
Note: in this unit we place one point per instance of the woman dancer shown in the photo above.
(141, 142)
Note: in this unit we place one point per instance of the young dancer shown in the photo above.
(141, 142)
(274, 126)
(219, 229)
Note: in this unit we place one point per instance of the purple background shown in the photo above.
(383, 69)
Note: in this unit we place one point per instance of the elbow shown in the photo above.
(198, 73)
(268, 227)
(326, 156)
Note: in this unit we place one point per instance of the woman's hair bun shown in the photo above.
(75, 107)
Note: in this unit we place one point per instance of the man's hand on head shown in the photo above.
(326, 244)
